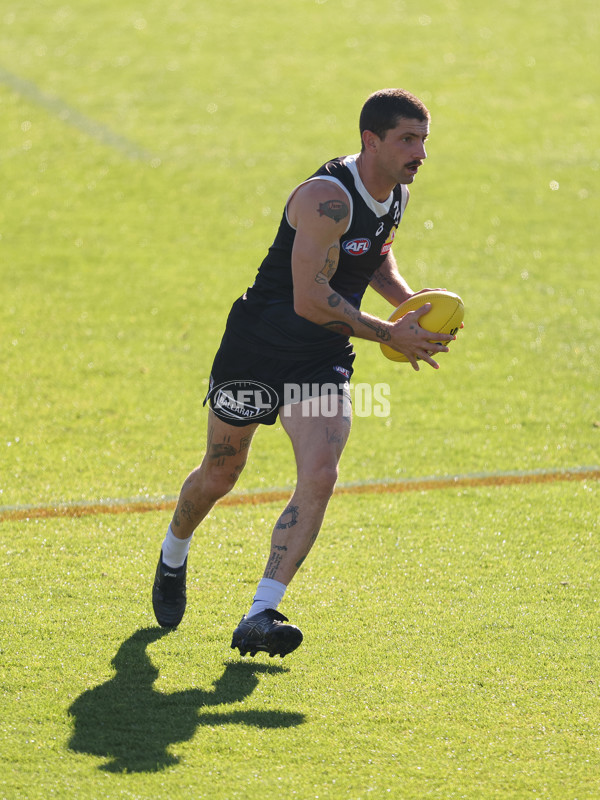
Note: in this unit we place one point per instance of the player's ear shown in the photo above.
(370, 141)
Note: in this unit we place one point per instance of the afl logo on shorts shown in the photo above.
(243, 400)
(357, 247)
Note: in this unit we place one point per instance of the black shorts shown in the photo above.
(248, 387)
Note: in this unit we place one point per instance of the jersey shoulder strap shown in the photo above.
(325, 174)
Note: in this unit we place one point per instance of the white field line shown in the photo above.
(82, 508)
(70, 116)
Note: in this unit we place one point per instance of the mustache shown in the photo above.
(414, 164)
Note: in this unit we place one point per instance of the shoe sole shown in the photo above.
(273, 645)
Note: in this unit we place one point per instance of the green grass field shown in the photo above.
(451, 635)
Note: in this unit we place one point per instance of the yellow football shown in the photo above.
(445, 316)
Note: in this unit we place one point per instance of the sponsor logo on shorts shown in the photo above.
(343, 371)
(357, 247)
(244, 400)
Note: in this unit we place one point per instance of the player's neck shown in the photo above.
(378, 186)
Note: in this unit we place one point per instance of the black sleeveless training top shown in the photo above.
(264, 318)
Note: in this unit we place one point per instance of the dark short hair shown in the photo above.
(382, 111)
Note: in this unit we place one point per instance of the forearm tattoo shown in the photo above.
(382, 280)
(381, 332)
(337, 326)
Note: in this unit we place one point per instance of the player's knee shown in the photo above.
(213, 483)
(218, 484)
(322, 480)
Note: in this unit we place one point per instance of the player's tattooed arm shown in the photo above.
(330, 266)
(320, 214)
(339, 327)
(382, 333)
(337, 210)
(381, 282)
(345, 329)
(387, 281)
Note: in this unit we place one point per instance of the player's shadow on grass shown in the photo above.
(127, 721)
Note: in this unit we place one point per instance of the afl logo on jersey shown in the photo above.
(357, 247)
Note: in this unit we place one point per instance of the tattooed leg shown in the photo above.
(227, 449)
(293, 537)
(318, 442)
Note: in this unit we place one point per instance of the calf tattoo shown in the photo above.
(313, 539)
(273, 565)
(288, 519)
(187, 510)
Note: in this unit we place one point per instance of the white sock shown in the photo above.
(269, 594)
(174, 550)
